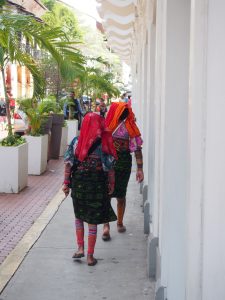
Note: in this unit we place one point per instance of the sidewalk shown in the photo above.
(48, 271)
(19, 211)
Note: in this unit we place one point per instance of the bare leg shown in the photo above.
(79, 225)
(92, 235)
(121, 205)
(106, 232)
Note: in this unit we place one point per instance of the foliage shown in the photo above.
(52, 41)
(25, 104)
(49, 3)
(34, 119)
(61, 16)
(95, 82)
(49, 105)
(12, 140)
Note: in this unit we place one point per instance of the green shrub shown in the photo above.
(12, 141)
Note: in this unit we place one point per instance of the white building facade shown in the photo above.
(176, 50)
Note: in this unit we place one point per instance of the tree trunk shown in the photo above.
(7, 103)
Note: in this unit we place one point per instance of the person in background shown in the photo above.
(2, 114)
(102, 107)
(78, 112)
(66, 110)
(129, 102)
(89, 163)
(124, 98)
(127, 139)
(12, 103)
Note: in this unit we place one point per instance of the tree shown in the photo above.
(49, 3)
(95, 82)
(52, 41)
(59, 16)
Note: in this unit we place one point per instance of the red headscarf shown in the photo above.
(112, 118)
(93, 127)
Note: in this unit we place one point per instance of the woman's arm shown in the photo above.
(111, 178)
(66, 182)
(139, 160)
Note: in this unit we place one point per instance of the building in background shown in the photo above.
(176, 52)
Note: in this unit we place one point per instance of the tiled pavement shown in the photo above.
(19, 211)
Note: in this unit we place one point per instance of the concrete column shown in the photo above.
(158, 72)
(174, 132)
(196, 146)
(145, 111)
(214, 187)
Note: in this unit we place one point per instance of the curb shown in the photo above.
(16, 257)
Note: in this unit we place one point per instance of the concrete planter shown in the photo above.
(37, 154)
(56, 134)
(14, 168)
(64, 138)
(72, 130)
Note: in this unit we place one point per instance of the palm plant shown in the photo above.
(95, 82)
(52, 41)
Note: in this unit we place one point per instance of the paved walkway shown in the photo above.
(48, 271)
(19, 211)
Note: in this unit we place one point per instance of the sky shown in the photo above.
(88, 7)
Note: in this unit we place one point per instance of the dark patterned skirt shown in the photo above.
(122, 174)
(91, 201)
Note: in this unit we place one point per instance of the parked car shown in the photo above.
(20, 122)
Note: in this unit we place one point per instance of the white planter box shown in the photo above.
(64, 139)
(13, 168)
(72, 130)
(37, 154)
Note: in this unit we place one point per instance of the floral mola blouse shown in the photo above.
(122, 133)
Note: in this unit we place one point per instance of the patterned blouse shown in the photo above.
(120, 134)
(107, 161)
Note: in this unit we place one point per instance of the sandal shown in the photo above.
(106, 235)
(121, 228)
(78, 255)
(93, 263)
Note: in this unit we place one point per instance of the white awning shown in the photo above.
(118, 22)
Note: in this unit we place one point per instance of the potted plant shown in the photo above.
(37, 144)
(14, 164)
(72, 123)
(51, 107)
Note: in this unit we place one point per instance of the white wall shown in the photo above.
(196, 147)
(184, 65)
(174, 165)
(214, 188)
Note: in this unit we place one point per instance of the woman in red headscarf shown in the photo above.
(89, 163)
(127, 138)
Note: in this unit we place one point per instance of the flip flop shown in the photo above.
(121, 228)
(93, 263)
(78, 255)
(106, 237)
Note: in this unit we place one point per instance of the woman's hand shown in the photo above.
(139, 175)
(65, 189)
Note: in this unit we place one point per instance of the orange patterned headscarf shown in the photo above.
(112, 118)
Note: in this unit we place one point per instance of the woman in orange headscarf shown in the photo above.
(90, 159)
(120, 120)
